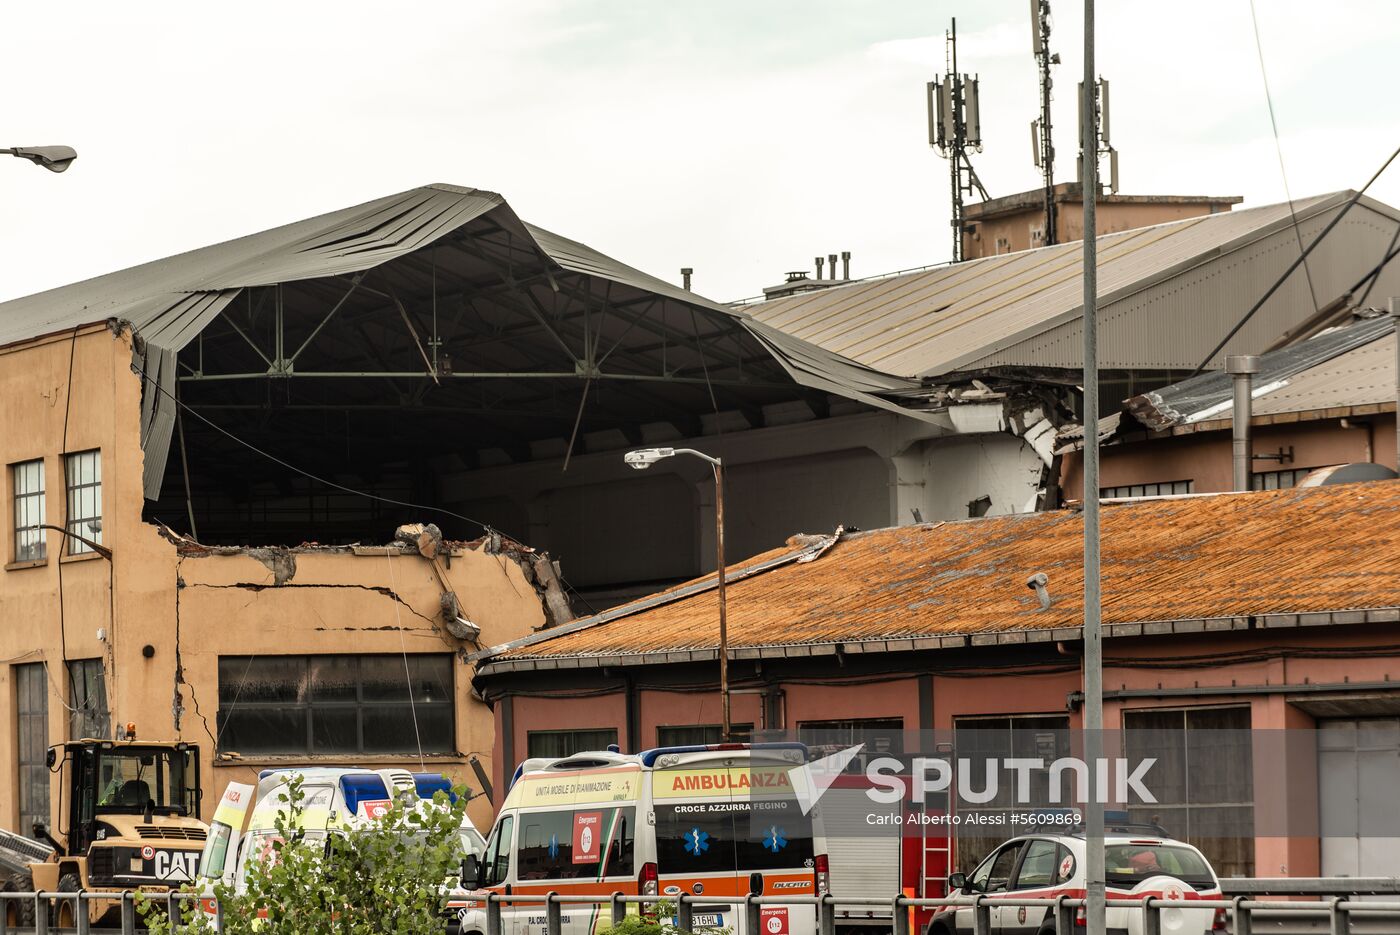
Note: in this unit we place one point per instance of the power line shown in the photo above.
(1336, 219)
(1278, 147)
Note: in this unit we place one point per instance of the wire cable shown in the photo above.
(403, 651)
(1278, 147)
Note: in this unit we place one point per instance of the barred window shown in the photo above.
(1279, 480)
(336, 704)
(1134, 491)
(31, 545)
(84, 470)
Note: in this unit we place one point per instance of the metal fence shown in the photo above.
(1248, 915)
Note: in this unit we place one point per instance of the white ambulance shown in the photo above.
(334, 800)
(715, 820)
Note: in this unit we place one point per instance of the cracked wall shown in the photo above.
(75, 391)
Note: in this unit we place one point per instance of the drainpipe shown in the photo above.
(1242, 369)
(1395, 317)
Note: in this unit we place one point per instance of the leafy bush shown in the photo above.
(385, 877)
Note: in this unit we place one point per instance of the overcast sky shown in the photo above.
(740, 137)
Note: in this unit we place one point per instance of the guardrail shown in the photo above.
(1243, 911)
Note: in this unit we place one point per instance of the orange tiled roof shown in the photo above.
(1300, 551)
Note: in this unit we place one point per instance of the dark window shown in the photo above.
(880, 736)
(32, 717)
(546, 847)
(1203, 779)
(701, 837)
(31, 542)
(555, 743)
(985, 742)
(84, 470)
(336, 704)
(689, 735)
(88, 716)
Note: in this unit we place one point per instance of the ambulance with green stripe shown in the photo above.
(711, 820)
(334, 800)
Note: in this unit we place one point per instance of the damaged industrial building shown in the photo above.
(223, 465)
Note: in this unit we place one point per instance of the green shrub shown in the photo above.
(385, 878)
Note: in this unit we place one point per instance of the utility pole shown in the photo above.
(955, 127)
(1041, 127)
(1095, 909)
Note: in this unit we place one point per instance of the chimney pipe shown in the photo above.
(845, 264)
(819, 267)
(686, 272)
(1242, 369)
(831, 259)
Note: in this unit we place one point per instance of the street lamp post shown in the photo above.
(643, 458)
(53, 158)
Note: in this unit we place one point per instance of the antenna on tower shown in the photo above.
(1104, 147)
(955, 127)
(1040, 127)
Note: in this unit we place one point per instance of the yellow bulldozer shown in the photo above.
(127, 819)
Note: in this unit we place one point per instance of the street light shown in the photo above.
(53, 158)
(640, 460)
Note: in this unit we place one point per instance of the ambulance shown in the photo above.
(713, 820)
(334, 800)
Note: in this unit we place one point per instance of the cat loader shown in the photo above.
(127, 820)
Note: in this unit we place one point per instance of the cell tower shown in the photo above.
(955, 127)
(1104, 147)
(1041, 127)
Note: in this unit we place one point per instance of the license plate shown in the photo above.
(709, 920)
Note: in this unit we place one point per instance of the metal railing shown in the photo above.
(1339, 913)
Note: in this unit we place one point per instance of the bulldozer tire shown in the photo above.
(63, 915)
(19, 913)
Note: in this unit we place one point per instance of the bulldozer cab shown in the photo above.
(108, 778)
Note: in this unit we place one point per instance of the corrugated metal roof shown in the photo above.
(1353, 365)
(1298, 551)
(987, 312)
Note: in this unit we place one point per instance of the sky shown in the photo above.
(738, 137)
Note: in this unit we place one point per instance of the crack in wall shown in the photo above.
(256, 587)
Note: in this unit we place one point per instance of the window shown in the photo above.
(710, 837)
(555, 743)
(32, 719)
(496, 865)
(336, 704)
(1133, 491)
(881, 737)
(84, 470)
(1203, 779)
(1279, 480)
(31, 544)
(546, 850)
(698, 734)
(985, 742)
(995, 873)
(1038, 866)
(87, 689)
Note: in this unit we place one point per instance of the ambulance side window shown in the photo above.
(546, 846)
(619, 857)
(496, 866)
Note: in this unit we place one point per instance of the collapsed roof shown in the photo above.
(1167, 294)
(438, 306)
